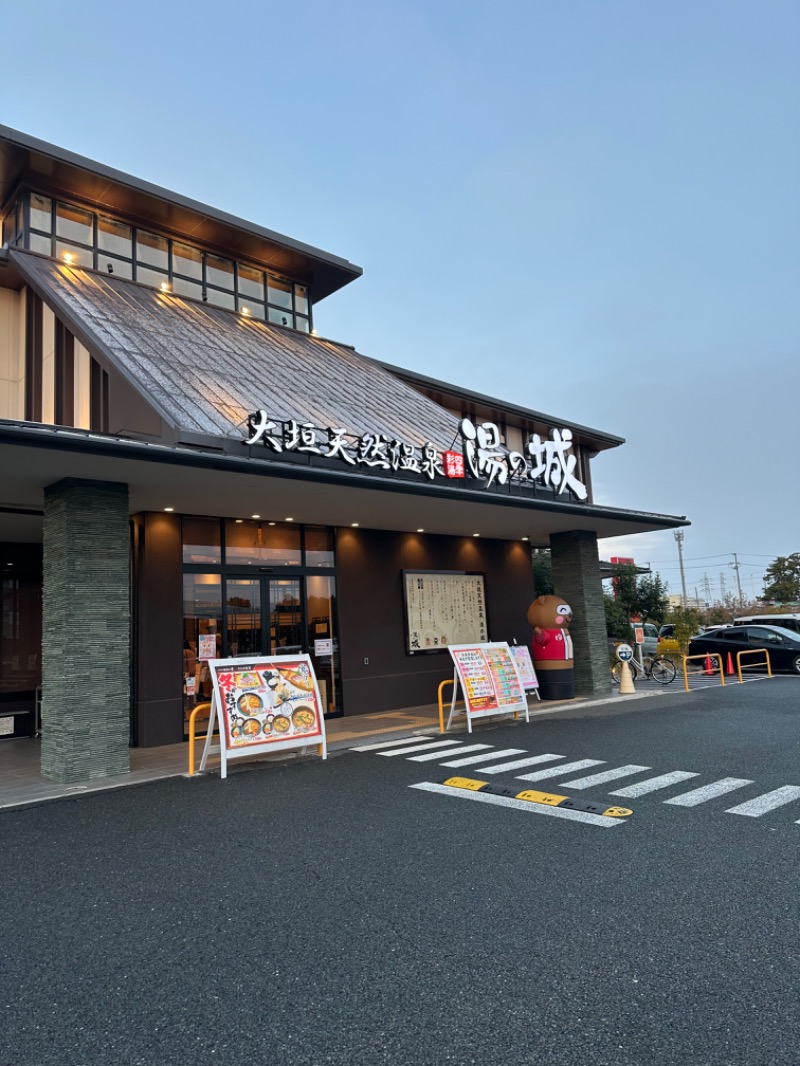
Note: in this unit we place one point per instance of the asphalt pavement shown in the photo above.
(312, 913)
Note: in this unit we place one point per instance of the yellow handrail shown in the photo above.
(441, 705)
(703, 655)
(205, 707)
(752, 651)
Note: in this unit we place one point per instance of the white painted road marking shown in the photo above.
(604, 776)
(438, 754)
(557, 771)
(754, 808)
(518, 764)
(708, 792)
(391, 743)
(522, 805)
(653, 784)
(487, 755)
(454, 745)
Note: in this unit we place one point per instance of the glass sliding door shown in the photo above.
(245, 628)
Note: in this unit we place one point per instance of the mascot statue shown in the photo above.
(552, 647)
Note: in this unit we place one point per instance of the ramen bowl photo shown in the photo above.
(303, 717)
(250, 703)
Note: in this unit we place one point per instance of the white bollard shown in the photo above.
(626, 681)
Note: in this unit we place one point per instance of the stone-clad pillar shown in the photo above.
(576, 577)
(86, 627)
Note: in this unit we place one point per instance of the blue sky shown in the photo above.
(590, 208)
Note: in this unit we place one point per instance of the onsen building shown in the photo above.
(189, 471)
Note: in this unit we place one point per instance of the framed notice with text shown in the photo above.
(527, 673)
(443, 607)
(264, 705)
(489, 680)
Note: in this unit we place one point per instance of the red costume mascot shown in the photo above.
(552, 647)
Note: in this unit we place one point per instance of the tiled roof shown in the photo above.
(207, 369)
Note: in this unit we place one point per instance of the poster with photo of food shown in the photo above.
(267, 702)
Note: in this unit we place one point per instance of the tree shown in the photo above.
(542, 572)
(645, 596)
(687, 622)
(618, 623)
(782, 579)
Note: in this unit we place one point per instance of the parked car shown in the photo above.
(783, 645)
(785, 621)
(667, 644)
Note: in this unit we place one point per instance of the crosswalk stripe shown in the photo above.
(604, 776)
(438, 754)
(453, 744)
(470, 760)
(518, 764)
(653, 784)
(708, 792)
(557, 771)
(754, 808)
(522, 805)
(391, 743)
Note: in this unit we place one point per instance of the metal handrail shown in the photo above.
(752, 651)
(200, 707)
(702, 655)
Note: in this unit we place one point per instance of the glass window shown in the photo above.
(252, 542)
(41, 213)
(145, 276)
(256, 310)
(279, 293)
(74, 223)
(202, 639)
(301, 323)
(187, 261)
(152, 250)
(280, 318)
(322, 642)
(251, 283)
(10, 225)
(114, 237)
(201, 540)
(73, 255)
(301, 299)
(219, 272)
(38, 243)
(119, 268)
(319, 546)
(221, 299)
(193, 289)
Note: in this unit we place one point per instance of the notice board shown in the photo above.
(527, 673)
(489, 680)
(443, 607)
(265, 705)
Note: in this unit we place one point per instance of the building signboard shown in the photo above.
(265, 705)
(489, 680)
(443, 608)
(483, 457)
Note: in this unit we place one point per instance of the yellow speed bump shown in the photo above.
(466, 782)
(540, 797)
(617, 812)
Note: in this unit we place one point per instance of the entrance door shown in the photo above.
(285, 616)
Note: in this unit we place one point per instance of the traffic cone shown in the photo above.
(729, 669)
(709, 669)
(626, 681)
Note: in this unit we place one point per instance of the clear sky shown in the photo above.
(587, 207)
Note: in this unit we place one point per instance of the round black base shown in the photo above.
(556, 684)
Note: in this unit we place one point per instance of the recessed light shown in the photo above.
(169, 508)
(272, 523)
(239, 521)
(288, 520)
(255, 515)
(354, 525)
(526, 538)
(420, 531)
(476, 534)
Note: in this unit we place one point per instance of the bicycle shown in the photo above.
(655, 666)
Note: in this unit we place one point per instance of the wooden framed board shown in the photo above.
(264, 705)
(489, 680)
(443, 608)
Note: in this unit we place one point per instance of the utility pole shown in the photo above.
(678, 534)
(735, 565)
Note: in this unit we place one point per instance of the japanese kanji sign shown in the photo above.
(443, 608)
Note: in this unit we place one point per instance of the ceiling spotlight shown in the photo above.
(526, 538)
(239, 521)
(354, 525)
(255, 515)
(420, 531)
(169, 508)
(272, 523)
(476, 534)
(288, 520)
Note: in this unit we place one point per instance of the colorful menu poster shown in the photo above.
(443, 608)
(490, 682)
(522, 657)
(266, 705)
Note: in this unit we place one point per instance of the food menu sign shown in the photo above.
(522, 657)
(489, 679)
(443, 608)
(263, 705)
